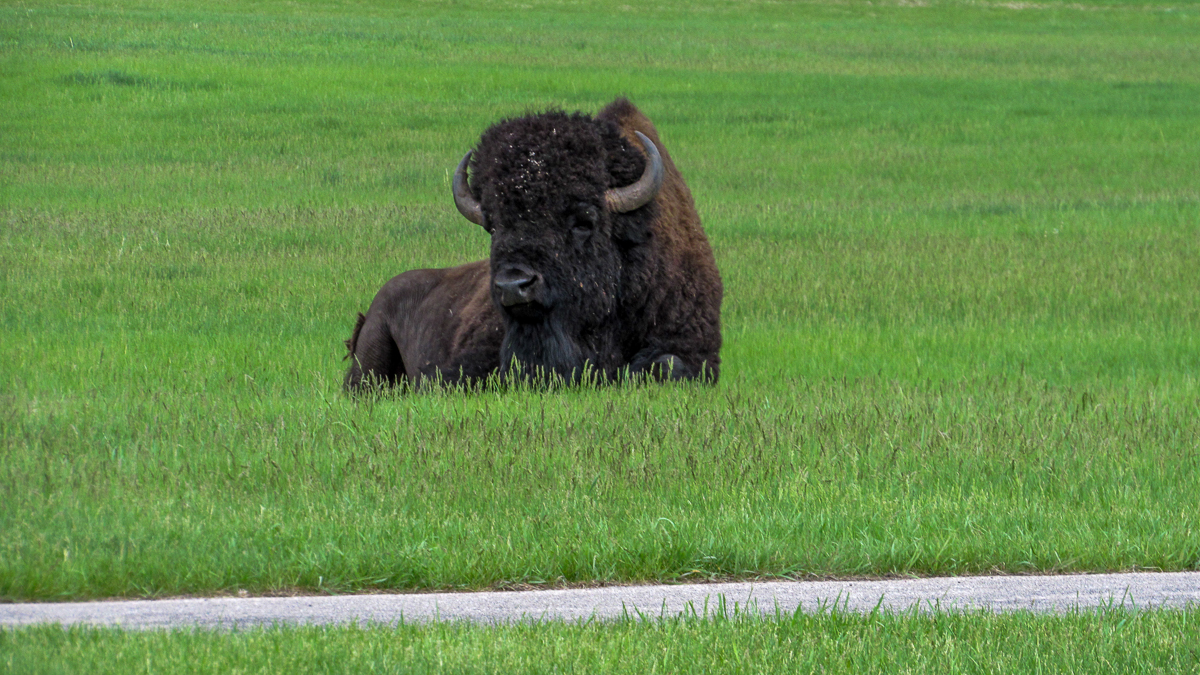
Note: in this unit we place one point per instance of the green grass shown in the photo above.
(962, 317)
(830, 641)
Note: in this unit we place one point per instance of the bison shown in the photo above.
(598, 263)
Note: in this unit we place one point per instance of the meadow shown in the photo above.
(959, 243)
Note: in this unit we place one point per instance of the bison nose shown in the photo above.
(518, 285)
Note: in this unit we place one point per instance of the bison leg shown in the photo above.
(661, 366)
(374, 356)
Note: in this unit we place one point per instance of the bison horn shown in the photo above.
(463, 199)
(630, 197)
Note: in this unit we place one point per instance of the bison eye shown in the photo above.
(583, 222)
(584, 218)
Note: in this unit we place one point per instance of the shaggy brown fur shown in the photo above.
(617, 292)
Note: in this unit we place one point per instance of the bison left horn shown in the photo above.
(463, 199)
(630, 197)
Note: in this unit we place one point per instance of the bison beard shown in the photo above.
(598, 263)
(564, 343)
(543, 350)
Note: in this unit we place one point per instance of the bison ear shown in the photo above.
(631, 230)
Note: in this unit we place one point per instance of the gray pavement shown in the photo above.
(1005, 593)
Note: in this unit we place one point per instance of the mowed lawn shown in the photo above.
(831, 641)
(960, 244)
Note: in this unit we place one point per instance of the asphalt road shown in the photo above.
(1008, 593)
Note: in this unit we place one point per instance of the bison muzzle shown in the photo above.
(598, 264)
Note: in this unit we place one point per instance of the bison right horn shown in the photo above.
(463, 199)
(630, 197)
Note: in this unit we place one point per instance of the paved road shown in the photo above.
(1036, 593)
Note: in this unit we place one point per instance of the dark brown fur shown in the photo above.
(637, 292)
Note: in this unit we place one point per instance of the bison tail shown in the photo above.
(352, 343)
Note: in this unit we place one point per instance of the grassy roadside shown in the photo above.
(1108, 641)
(961, 319)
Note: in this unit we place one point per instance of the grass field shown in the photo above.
(962, 320)
(1111, 641)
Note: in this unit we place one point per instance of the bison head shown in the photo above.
(564, 198)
